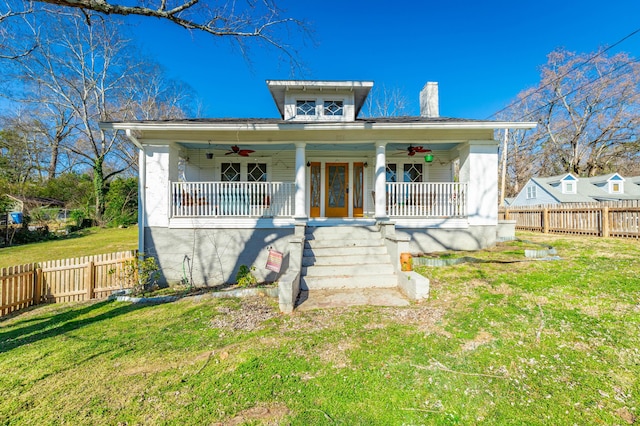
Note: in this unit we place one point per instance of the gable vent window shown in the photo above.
(305, 107)
(333, 108)
(531, 192)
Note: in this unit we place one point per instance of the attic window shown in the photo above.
(531, 192)
(305, 107)
(568, 187)
(615, 187)
(333, 107)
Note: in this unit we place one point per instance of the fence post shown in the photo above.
(545, 220)
(506, 214)
(605, 221)
(90, 280)
(37, 286)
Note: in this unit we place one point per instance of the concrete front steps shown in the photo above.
(342, 257)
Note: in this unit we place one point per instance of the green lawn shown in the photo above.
(536, 343)
(82, 243)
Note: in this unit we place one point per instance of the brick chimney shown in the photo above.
(429, 100)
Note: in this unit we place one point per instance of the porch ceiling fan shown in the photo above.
(412, 150)
(235, 149)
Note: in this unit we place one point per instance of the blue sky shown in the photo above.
(481, 53)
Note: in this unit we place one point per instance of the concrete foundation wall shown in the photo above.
(433, 240)
(212, 256)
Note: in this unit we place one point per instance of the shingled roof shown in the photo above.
(589, 189)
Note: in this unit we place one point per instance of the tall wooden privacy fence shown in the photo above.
(621, 219)
(78, 279)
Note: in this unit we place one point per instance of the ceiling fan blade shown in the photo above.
(412, 153)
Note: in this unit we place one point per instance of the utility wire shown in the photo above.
(578, 88)
(539, 89)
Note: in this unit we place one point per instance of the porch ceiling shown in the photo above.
(394, 147)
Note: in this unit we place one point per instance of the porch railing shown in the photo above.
(219, 199)
(425, 199)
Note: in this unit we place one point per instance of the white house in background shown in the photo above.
(567, 188)
(339, 195)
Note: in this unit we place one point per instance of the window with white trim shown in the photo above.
(333, 107)
(245, 171)
(531, 192)
(616, 187)
(392, 174)
(405, 172)
(568, 188)
(257, 172)
(306, 107)
(230, 172)
(413, 172)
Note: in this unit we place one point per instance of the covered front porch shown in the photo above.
(277, 200)
(378, 181)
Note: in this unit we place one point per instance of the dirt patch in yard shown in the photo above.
(481, 338)
(263, 414)
(251, 315)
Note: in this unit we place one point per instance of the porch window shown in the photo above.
(257, 172)
(413, 172)
(333, 108)
(306, 107)
(392, 174)
(230, 172)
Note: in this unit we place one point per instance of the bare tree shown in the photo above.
(240, 21)
(84, 74)
(21, 153)
(386, 102)
(588, 109)
(17, 29)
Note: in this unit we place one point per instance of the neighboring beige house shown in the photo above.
(350, 192)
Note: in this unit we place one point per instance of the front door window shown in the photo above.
(314, 201)
(337, 188)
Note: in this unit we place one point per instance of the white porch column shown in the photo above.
(301, 185)
(479, 167)
(380, 182)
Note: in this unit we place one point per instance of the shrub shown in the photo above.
(245, 277)
(139, 274)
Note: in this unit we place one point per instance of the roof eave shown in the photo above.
(154, 126)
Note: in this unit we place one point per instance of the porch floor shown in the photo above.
(340, 298)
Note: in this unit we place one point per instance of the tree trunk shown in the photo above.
(53, 162)
(99, 187)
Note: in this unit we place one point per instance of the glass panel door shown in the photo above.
(337, 189)
(358, 188)
(315, 188)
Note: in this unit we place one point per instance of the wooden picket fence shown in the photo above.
(607, 219)
(78, 279)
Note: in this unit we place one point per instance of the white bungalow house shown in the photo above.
(570, 189)
(341, 196)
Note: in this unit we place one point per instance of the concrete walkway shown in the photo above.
(336, 298)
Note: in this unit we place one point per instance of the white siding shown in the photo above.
(437, 172)
(479, 168)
